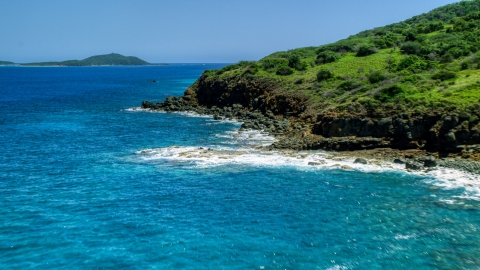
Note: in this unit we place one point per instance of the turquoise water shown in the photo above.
(86, 181)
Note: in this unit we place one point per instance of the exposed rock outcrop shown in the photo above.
(258, 104)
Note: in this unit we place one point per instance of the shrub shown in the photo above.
(345, 45)
(412, 78)
(298, 81)
(376, 76)
(210, 72)
(284, 71)
(413, 63)
(327, 57)
(411, 47)
(324, 74)
(293, 60)
(380, 43)
(464, 66)
(241, 64)
(349, 85)
(245, 63)
(368, 103)
(444, 75)
(387, 94)
(301, 66)
(273, 63)
(410, 36)
(365, 50)
(251, 69)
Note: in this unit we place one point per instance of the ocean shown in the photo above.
(89, 180)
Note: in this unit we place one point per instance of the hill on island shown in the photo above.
(114, 59)
(408, 85)
(6, 63)
(428, 62)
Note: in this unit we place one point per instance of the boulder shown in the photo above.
(412, 165)
(450, 137)
(428, 162)
(399, 161)
(361, 161)
(316, 163)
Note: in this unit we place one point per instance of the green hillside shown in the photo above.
(430, 62)
(6, 63)
(98, 60)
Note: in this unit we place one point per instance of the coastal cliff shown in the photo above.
(259, 105)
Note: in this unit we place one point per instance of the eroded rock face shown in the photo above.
(428, 131)
(252, 94)
(258, 105)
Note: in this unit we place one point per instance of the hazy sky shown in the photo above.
(184, 31)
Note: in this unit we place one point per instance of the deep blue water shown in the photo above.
(76, 190)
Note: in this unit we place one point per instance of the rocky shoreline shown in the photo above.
(292, 134)
(420, 141)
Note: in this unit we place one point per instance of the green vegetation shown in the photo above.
(98, 60)
(428, 63)
(6, 63)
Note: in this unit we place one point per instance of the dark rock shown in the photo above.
(412, 165)
(361, 161)
(399, 161)
(462, 135)
(464, 117)
(450, 137)
(316, 163)
(449, 122)
(147, 104)
(428, 162)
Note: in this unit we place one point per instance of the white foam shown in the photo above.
(184, 113)
(244, 151)
(405, 237)
(210, 157)
(250, 137)
(248, 155)
(193, 114)
(338, 267)
(140, 109)
(455, 179)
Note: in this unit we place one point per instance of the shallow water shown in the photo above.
(89, 181)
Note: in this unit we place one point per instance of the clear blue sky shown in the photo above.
(181, 31)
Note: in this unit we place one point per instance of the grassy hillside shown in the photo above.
(430, 62)
(98, 60)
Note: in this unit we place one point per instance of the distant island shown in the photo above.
(113, 59)
(6, 63)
